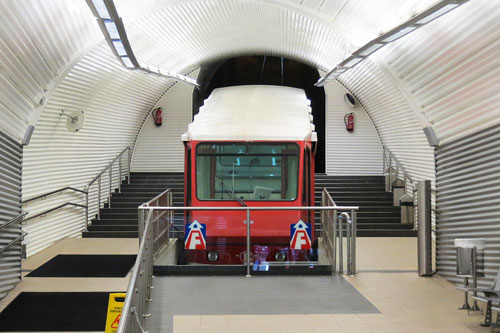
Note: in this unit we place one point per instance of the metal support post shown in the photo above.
(353, 242)
(120, 175)
(341, 246)
(248, 243)
(466, 305)
(348, 245)
(424, 228)
(110, 184)
(475, 307)
(128, 165)
(334, 239)
(99, 197)
(87, 209)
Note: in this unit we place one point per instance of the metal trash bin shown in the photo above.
(407, 209)
(470, 251)
(470, 264)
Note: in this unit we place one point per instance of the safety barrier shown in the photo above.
(156, 218)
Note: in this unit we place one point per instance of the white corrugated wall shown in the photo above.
(37, 40)
(393, 117)
(115, 102)
(160, 149)
(452, 69)
(350, 153)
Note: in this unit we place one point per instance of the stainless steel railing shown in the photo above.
(154, 226)
(87, 191)
(109, 190)
(334, 225)
(156, 218)
(18, 219)
(395, 171)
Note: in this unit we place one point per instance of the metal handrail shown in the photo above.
(14, 220)
(152, 234)
(6, 247)
(398, 165)
(18, 218)
(98, 178)
(250, 208)
(110, 164)
(332, 234)
(135, 309)
(55, 208)
(53, 192)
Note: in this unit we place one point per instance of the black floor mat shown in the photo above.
(54, 311)
(87, 265)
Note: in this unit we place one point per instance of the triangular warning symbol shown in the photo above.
(115, 323)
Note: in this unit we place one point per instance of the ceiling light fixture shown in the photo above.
(114, 31)
(415, 22)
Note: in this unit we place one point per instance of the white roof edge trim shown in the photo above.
(262, 113)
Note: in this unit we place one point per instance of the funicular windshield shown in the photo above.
(247, 171)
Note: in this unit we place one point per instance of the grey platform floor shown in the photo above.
(224, 295)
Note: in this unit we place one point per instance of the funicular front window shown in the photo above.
(248, 171)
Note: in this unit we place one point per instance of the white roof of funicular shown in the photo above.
(251, 113)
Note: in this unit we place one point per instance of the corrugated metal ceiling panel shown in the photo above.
(115, 101)
(452, 68)
(37, 40)
(395, 121)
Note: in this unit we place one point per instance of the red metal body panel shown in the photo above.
(270, 231)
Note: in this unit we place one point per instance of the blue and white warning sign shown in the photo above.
(195, 235)
(300, 236)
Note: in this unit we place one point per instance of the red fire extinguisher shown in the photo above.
(157, 116)
(349, 122)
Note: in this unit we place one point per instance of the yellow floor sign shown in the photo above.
(115, 306)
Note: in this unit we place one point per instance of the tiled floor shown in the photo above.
(405, 301)
(73, 246)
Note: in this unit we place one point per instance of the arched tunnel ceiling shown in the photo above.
(444, 75)
(178, 34)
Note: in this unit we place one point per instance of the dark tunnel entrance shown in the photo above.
(267, 70)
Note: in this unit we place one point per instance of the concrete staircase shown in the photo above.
(120, 221)
(377, 217)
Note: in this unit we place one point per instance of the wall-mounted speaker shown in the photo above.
(349, 100)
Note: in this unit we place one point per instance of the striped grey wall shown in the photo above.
(468, 198)
(10, 207)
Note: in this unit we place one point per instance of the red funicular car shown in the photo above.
(250, 146)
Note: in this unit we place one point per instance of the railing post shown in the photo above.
(110, 185)
(354, 218)
(128, 164)
(383, 160)
(341, 247)
(99, 197)
(334, 235)
(248, 243)
(120, 174)
(348, 244)
(87, 208)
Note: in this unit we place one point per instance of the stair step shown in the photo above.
(371, 226)
(110, 234)
(386, 233)
(322, 176)
(363, 214)
(116, 227)
(114, 221)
